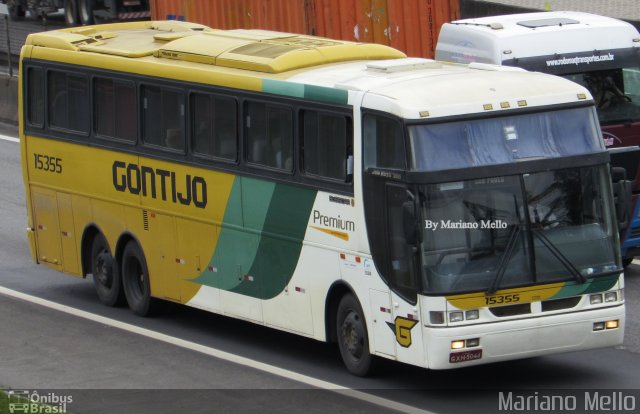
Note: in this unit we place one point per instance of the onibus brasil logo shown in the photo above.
(31, 402)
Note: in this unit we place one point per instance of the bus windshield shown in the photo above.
(616, 93)
(500, 232)
(503, 140)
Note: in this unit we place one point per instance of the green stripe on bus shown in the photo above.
(261, 238)
(281, 242)
(283, 88)
(239, 237)
(318, 93)
(595, 285)
(311, 92)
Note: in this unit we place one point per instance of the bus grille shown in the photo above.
(511, 310)
(558, 304)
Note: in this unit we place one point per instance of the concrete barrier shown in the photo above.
(9, 99)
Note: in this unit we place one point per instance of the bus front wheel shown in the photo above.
(135, 280)
(106, 277)
(353, 339)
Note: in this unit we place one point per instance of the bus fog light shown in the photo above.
(611, 324)
(473, 342)
(610, 297)
(472, 314)
(456, 316)
(595, 299)
(457, 344)
(436, 317)
(598, 326)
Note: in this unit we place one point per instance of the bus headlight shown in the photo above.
(595, 299)
(436, 317)
(472, 314)
(456, 316)
(611, 297)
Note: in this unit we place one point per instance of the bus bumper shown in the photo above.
(523, 338)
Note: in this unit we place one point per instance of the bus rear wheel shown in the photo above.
(353, 339)
(135, 281)
(106, 277)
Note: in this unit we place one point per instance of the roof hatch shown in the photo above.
(560, 21)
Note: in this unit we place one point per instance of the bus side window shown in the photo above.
(68, 102)
(383, 143)
(327, 145)
(163, 117)
(214, 126)
(115, 111)
(270, 136)
(35, 97)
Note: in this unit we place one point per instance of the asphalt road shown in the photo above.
(108, 369)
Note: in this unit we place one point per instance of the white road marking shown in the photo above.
(217, 353)
(8, 138)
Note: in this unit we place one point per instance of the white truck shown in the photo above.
(601, 53)
(81, 11)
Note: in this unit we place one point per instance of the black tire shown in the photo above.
(15, 9)
(353, 339)
(71, 12)
(136, 283)
(106, 277)
(626, 261)
(85, 11)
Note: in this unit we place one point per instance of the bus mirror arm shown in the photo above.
(411, 220)
(621, 196)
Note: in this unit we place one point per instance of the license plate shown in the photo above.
(465, 356)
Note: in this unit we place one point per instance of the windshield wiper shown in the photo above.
(561, 257)
(504, 259)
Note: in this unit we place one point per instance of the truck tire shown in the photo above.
(16, 10)
(85, 8)
(71, 12)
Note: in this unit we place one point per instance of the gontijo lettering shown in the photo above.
(159, 183)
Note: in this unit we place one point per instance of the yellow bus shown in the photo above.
(441, 215)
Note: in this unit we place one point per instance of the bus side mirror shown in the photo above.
(411, 223)
(621, 196)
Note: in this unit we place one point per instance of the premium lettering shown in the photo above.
(334, 222)
(159, 183)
